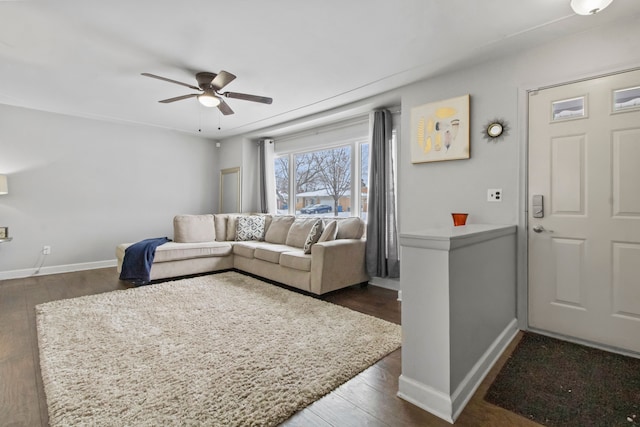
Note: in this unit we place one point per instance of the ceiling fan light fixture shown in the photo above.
(208, 100)
(589, 7)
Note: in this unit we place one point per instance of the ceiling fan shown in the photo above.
(210, 85)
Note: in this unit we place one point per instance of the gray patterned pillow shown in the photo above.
(250, 228)
(314, 235)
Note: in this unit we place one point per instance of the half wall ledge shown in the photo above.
(458, 312)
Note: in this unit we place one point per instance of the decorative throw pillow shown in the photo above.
(329, 232)
(250, 228)
(313, 236)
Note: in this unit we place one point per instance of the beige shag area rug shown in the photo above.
(220, 350)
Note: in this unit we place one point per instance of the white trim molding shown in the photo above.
(56, 269)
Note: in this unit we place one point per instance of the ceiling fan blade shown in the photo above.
(247, 97)
(222, 79)
(178, 98)
(224, 108)
(153, 76)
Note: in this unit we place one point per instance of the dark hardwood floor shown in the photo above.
(368, 399)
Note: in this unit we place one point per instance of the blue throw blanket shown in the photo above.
(138, 258)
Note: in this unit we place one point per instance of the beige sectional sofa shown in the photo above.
(317, 255)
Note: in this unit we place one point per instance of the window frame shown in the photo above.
(355, 145)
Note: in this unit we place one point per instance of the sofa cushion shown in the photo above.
(313, 236)
(350, 228)
(299, 231)
(173, 251)
(271, 253)
(279, 228)
(193, 228)
(297, 260)
(250, 228)
(232, 224)
(267, 221)
(246, 249)
(329, 232)
(220, 224)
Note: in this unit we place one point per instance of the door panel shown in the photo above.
(626, 173)
(584, 254)
(569, 259)
(567, 175)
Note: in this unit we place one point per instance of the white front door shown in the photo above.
(584, 253)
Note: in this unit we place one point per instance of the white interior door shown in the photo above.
(584, 254)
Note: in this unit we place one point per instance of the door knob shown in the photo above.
(540, 229)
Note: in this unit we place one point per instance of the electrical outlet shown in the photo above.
(494, 195)
(46, 250)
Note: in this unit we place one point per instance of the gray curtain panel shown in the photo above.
(382, 230)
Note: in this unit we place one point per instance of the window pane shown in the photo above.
(364, 181)
(323, 182)
(281, 168)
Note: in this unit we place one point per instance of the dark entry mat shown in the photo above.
(557, 383)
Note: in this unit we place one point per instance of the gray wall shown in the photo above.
(83, 186)
(429, 192)
(242, 152)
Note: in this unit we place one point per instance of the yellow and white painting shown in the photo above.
(440, 131)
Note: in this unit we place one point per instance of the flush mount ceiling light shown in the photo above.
(209, 100)
(589, 7)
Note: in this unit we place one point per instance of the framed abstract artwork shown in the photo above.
(440, 131)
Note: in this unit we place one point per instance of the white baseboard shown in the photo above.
(474, 378)
(450, 407)
(426, 397)
(56, 269)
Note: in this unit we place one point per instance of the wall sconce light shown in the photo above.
(589, 7)
(4, 187)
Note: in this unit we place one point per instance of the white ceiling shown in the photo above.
(84, 58)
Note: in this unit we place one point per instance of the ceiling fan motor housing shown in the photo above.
(204, 79)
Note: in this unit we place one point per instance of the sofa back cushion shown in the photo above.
(330, 231)
(193, 228)
(300, 231)
(278, 229)
(232, 224)
(350, 228)
(220, 223)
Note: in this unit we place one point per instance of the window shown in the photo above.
(323, 181)
(281, 167)
(324, 171)
(364, 180)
